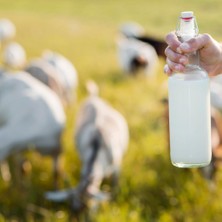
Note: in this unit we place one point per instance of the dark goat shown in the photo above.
(132, 30)
(158, 44)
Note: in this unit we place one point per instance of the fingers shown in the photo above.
(176, 51)
(167, 70)
(191, 45)
(172, 67)
(175, 62)
(195, 43)
(176, 67)
(172, 41)
(176, 57)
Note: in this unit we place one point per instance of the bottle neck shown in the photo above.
(193, 58)
(193, 63)
(187, 29)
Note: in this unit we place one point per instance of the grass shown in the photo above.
(151, 189)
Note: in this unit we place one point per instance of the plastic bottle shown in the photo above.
(189, 106)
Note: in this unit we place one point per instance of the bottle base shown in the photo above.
(190, 165)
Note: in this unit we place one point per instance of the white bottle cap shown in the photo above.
(187, 14)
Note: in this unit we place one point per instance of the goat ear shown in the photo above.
(101, 196)
(57, 196)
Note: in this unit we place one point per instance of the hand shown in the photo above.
(210, 53)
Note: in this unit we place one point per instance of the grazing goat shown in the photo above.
(47, 74)
(31, 116)
(14, 56)
(66, 72)
(7, 30)
(131, 30)
(53, 69)
(101, 139)
(158, 44)
(135, 31)
(137, 50)
(135, 56)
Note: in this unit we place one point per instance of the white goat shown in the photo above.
(66, 71)
(7, 30)
(135, 55)
(52, 69)
(47, 74)
(131, 30)
(101, 140)
(31, 116)
(14, 56)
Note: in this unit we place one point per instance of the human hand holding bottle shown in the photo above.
(210, 52)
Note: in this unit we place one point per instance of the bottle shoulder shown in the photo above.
(191, 74)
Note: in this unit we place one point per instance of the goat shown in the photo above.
(66, 71)
(31, 116)
(53, 69)
(7, 30)
(137, 50)
(135, 56)
(14, 56)
(101, 139)
(47, 74)
(131, 30)
(158, 44)
(135, 31)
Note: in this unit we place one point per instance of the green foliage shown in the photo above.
(151, 189)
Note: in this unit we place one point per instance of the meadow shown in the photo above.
(150, 189)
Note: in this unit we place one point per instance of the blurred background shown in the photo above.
(85, 32)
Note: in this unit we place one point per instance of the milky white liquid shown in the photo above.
(189, 115)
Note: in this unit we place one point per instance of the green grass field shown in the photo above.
(151, 189)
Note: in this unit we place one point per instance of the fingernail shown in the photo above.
(183, 61)
(166, 69)
(179, 50)
(184, 46)
(178, 68)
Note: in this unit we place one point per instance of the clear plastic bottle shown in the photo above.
(189, 106)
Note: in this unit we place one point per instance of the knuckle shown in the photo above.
(172, 55)
(207, 38)
(169, 62)
(168, 37)
(193, 41)
(166, 51)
